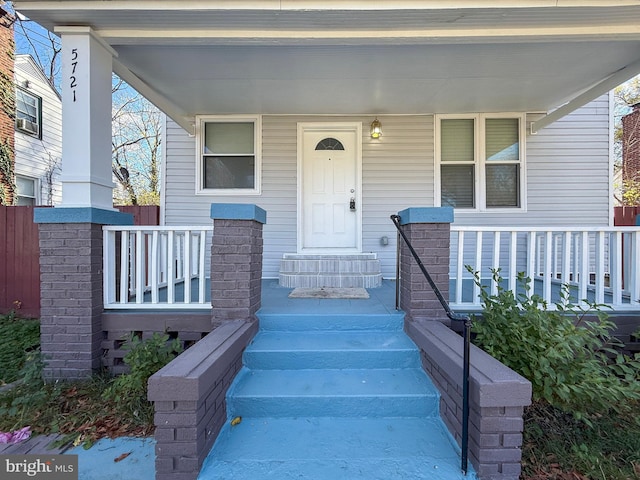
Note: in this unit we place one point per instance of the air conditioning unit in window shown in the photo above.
(27, 126)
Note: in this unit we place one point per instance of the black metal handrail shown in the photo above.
(466, 333)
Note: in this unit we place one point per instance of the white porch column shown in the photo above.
(86, 119)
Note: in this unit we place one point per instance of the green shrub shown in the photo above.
(18, 336)
(570, 361)
(29, 395)
(144, 358)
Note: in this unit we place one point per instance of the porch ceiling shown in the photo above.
(354, 57)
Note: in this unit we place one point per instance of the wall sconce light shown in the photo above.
(376, 128)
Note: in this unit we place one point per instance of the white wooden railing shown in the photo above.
(599, 264)
(149, 267)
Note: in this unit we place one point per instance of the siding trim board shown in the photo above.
(567, 178)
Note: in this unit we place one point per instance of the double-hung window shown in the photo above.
(26, 191)
(229, 155)
(481, 161)
(28, 113)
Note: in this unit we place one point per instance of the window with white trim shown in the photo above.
(28, 113)
(26, 191)
(229, 158)
(481, 161)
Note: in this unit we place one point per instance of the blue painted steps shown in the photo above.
(333, 396)
(331, 349)
(334, 448)
(333, 393)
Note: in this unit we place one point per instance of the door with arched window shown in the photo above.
(329, 209)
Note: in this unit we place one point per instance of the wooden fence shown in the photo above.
(20, 256)
(625, 216)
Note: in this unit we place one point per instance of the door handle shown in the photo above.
(352, 204)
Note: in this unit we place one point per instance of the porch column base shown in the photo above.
(71, 275)
(236, 261)
(428, 230)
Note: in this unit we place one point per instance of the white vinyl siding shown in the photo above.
(397, 173)
(567, 175)
(40, 158)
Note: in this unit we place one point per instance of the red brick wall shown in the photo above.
(631, 145)
(6, 79)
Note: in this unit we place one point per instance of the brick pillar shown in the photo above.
(428, 230)
(71, 302)
(236, 261)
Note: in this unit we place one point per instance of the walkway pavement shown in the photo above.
(124, 458)
(120, 459)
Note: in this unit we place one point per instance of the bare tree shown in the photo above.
(136, 124)
(136, 144)
(626, 141)
(624, 96)
(44, 46)
(54, 168)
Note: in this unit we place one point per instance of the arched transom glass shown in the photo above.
(329, 144)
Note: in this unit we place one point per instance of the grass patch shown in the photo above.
(557, 446)
(18, 336)
(76, 410)
(86, 411)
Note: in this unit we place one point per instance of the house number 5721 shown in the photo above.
(73, 82)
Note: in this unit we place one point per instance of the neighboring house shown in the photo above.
(38, 136)
(631, 145)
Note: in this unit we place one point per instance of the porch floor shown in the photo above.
(275, 300)
(382, 299)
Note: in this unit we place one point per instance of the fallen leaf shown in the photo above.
(122, 457)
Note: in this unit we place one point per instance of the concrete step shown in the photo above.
(313, 322)
(341, 448)
(330, 280)
(314, 271)
(332, 392)
(331, 350)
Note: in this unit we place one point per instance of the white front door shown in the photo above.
(329, 213)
